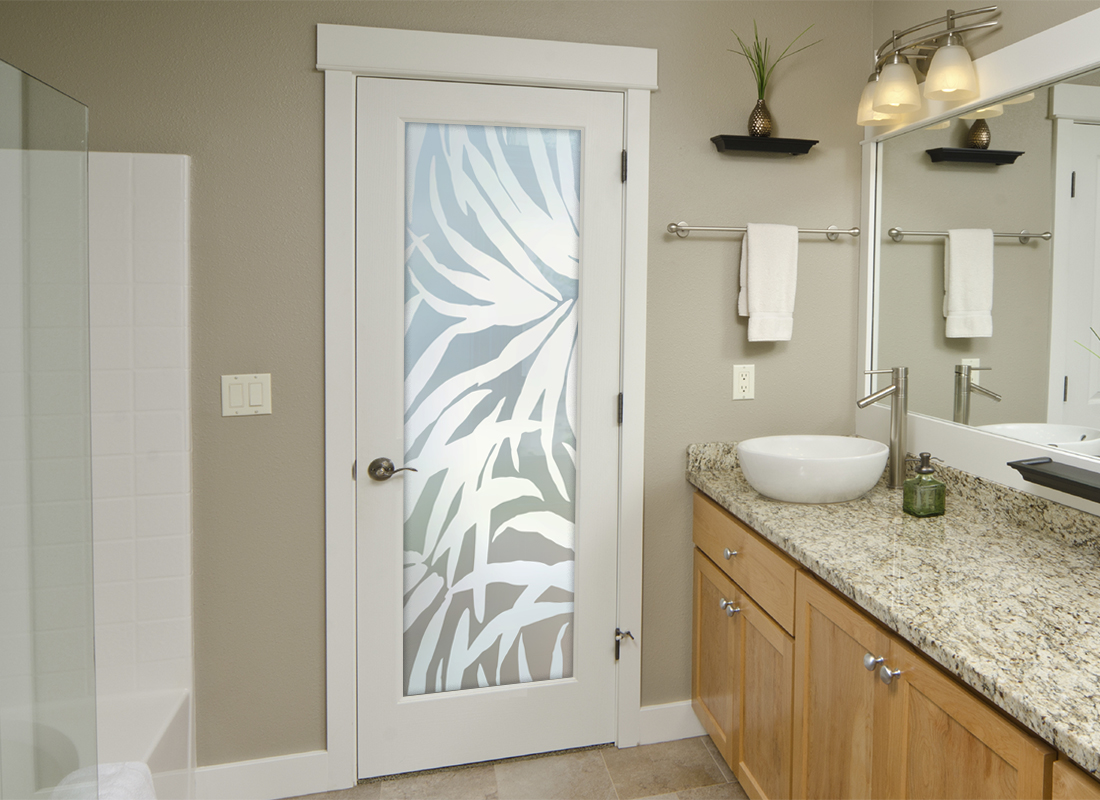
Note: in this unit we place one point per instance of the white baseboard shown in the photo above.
(265, 778)
(668, 722)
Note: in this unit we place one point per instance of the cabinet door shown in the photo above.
(949, 743)
(764, 765)
(717, 633)
(1071, 783)
(841, 711)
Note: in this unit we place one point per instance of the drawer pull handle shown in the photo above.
(729, 607)
(729, 554)
(870, 662)
(887, 675)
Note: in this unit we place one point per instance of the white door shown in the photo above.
(489, 250)
(1082, 303)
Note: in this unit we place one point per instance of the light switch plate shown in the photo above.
(246, 395)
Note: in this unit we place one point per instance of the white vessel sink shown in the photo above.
(812, 469)
(1069, 437)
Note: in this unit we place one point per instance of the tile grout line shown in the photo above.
(720, 764)
(607, 769)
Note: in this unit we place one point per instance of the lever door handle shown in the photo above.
(382, 469)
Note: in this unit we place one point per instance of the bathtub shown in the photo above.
(154, 728)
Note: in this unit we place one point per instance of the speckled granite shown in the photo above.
(1003, 591)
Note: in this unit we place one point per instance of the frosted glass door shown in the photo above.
(491, 286)
(488, 264)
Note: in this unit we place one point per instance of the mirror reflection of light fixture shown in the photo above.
(984, 113)
(951, 74)
(1023, 98)
(939, 126)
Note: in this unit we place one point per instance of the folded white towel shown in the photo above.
(769, 273)
(968, 283)
(128, 780)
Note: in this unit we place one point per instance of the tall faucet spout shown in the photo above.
(899, 417)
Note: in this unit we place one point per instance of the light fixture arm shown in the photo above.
(947, 19)
(884, 58)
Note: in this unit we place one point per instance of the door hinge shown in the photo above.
(1065, 389)
(620, 408)
(624, 166)
(1073, 184)
(353, 463)
(619, 636)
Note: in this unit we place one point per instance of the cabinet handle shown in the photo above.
(729, 554)
(887, 675)
(870, 662)
(729, 607)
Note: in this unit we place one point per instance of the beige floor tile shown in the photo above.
(571, 776)
(654, 769)
(459, 783)
(712, 748)
(721, 791)
(365, 791)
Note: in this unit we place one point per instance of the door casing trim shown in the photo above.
(343, 53)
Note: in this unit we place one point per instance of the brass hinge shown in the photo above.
(624, 166)
(1073, 184)
(620, 408)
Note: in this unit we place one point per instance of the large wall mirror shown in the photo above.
(1046, 292)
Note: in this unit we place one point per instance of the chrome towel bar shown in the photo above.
(897, 234)
(682, 229)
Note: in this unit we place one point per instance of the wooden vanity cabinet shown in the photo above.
(716, 644)
(1071, 783)
(922, 735)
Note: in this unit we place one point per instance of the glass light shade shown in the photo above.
(1023, 98)
(951, 75)
(868, 116)
(896, 91)
(984, 113)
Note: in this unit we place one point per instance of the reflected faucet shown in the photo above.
(899, 416)
(964, 385)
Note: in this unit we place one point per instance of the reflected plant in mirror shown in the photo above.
(1043, 290)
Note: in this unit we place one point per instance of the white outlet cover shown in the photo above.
(246, 395)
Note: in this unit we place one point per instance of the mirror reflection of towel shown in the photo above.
(968, 283)
(769, 273)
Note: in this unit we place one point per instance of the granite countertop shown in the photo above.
(1003, 591)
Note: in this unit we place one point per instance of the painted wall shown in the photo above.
(232, 85)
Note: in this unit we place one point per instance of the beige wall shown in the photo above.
(232, 85)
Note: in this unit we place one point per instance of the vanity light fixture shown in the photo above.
(951, 74)
(867, 116)
(989, 112)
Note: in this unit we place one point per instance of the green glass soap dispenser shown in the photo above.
(923, 495)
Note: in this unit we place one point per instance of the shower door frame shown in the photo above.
(345, 53)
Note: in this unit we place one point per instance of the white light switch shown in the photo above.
(246, 395)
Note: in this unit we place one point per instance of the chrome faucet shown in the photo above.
(964, 385)
(899, 416)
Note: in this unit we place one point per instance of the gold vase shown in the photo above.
(760, 121)
(980, 136)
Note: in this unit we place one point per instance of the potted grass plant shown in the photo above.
(759, 56)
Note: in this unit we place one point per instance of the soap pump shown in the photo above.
(923, 495)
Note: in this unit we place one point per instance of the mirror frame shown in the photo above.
(1047, 57)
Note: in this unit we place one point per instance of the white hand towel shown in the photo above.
(769, 273)
(968, 283)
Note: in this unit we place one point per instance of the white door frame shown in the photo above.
(343, 53)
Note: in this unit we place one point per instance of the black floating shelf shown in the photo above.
(1071, 480)
(973, 155)
(762, 144)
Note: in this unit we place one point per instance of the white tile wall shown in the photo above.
(141, 438)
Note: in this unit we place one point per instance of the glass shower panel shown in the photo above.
(47, 675)
(491, 280)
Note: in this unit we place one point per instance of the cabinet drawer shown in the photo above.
(1071, 783)
(765, 574)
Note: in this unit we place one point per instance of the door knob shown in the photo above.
(887, 675)
(870, 662)
(729, 554)
(382, 469)
(728, 607)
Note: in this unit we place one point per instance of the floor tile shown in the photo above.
(655, 769)
(459, 783)
(712, 748)
(571, 776)
(721, 791)
(364, 791)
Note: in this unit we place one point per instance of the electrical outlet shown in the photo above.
(744, 381)
(975, 377)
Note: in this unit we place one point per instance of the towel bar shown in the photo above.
(832, 233)
(897, 234)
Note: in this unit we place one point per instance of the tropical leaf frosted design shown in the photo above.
(491, 276)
